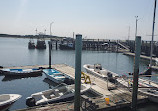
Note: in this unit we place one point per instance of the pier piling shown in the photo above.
(136, 72)
(78, 49)
(50, 44)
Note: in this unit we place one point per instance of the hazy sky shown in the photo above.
(104, 19)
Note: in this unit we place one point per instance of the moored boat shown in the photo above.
(146, 87)
(98, 71)
(31, 45)
(6, 100)
(67, 46)
(21, 72)
(57, 76)
(60, 93)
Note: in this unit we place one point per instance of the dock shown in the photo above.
(119, 97)
(141, 56)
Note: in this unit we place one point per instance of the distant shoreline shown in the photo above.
(30, 36)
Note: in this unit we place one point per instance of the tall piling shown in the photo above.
(136, 72)
(50, 44)
(56, 44)
(78, 51)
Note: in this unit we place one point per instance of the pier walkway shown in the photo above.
(118, 97)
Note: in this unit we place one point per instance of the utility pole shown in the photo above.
(128, 33)
(136, 25)
(51, 28)
(36, 31)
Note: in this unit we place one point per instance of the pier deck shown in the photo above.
(119, 97)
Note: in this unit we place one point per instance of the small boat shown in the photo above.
(31, 44)
(98, 71)
(6, 100)
(41, 44)
(60, 93)
(22, 72)
(146, 87)
(56, 76)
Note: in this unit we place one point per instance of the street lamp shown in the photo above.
(51, 27)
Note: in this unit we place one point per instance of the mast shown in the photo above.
(151, 51)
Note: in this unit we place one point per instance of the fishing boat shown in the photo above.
(31, 44)
(98, 71)
(60, 93)
(57, 76)
(22, 72)
(6, 100)
(41, 44)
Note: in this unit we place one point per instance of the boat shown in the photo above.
(57, 76)
(60, 93)
(98, 71)
(156, 61)
(146, 87)
(31, 44)
(41, 44)
(67, 46)
(6, 100)
(22, 72)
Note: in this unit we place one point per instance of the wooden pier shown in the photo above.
(118, 97)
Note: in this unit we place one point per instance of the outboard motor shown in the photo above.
(30, 101)
(110, 78)
(68, 81)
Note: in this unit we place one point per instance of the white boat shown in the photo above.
(55, 75)
(146, 87)
(98, 71)
(156, 61)
(6, 100)
(60, 93)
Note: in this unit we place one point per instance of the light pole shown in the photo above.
(136, 25)
(50, 28)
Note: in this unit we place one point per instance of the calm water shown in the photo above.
(15, 52)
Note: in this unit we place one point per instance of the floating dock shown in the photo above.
(113, 99)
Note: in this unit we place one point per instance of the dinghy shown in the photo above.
(98, 71)
(60, 93)
(6, 100)
(57, 76)
(22, 72)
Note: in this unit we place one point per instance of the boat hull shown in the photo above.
(6, 107)
(22, 73)
(53, 79)
(65, 47)
(7, 101)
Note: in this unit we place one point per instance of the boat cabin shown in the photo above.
(97, 67)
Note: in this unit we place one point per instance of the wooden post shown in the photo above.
(56, 45)
(117, 45)
(78, 51)
(136, 73)
(50, 43)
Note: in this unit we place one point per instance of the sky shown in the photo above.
(94, 19)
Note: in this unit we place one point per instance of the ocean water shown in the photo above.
(15, 52)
